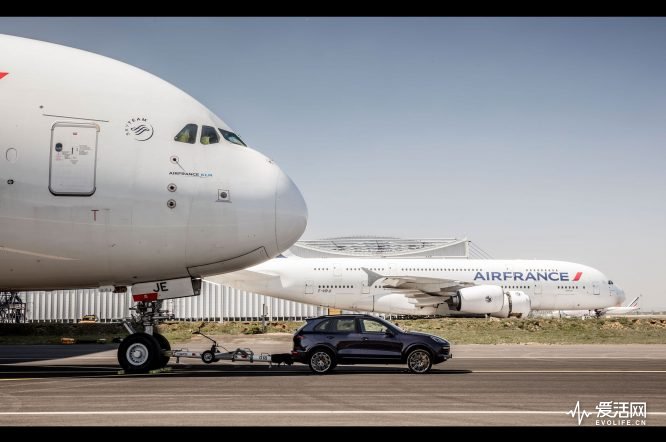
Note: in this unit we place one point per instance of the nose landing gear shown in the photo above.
(141, 352)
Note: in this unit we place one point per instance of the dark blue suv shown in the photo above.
(327, 341)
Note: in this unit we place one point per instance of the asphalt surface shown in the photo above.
(65, 385)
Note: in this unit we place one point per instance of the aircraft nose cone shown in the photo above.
(620, 294)
(291, 213)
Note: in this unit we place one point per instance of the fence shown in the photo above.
(216, 303)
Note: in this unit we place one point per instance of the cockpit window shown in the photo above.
(209, 135)
(610, 282)
(188, 134)
(231, 137)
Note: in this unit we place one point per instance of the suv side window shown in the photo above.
(344, 325)
(370, 326)
(322, 326)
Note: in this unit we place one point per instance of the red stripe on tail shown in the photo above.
(2, 74)
(578, 275)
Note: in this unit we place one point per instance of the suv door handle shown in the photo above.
(364, 339)
(330, 337)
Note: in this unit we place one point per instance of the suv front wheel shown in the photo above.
(322, 361)
(419, 361)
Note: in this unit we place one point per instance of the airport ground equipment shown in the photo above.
(215, 354)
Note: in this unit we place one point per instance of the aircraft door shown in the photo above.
(309, 287)
(537, 289)
(364, 287)
(73, 159)
(595, 288)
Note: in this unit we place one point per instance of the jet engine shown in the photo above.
(515, 304)
(480, 299)
(491, 299)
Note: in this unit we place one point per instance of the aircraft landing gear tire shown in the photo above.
(162, 360)
(139, 353)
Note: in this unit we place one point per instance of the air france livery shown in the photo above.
(499, 288)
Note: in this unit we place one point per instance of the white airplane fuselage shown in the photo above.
(343, 284)
(622, 310)
(96, 190)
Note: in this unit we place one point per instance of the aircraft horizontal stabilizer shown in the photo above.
(372, 276)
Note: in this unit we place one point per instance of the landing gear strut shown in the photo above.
(142, 352)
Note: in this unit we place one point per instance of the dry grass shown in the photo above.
(545, 331)
(456, 330)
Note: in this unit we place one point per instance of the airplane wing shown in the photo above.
(422, 299)
(421, 289)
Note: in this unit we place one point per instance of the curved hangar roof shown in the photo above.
(369, 246)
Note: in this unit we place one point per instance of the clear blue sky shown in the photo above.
(534, 137)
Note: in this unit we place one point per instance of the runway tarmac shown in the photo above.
(481, 385)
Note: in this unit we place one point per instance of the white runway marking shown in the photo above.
(59, 357)
(114, 372)
(629, 358)
(300, 412)
(17, 379)
(72, 373)
(113, 358)
(568, 371)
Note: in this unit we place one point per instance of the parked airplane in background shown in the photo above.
(631, 307)
(110, 176)
(420, 286)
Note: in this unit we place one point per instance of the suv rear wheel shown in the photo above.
(419, 361)
(322, 361)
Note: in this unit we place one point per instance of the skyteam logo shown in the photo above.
(526, 276)
(139, 128)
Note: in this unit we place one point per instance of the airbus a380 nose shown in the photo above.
(110, 176)
(619, 295)
(290, 213)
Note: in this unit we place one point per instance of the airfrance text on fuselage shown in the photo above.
(525, 276)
